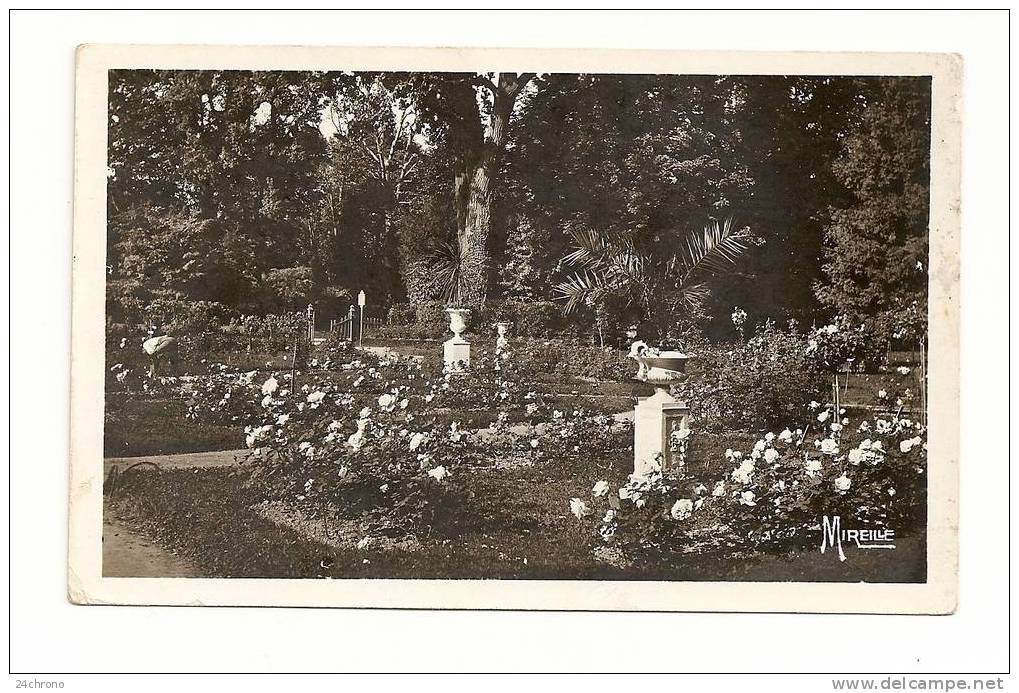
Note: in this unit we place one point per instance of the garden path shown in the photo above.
(127, 553)
(218, 458)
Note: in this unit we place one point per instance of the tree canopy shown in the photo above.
(258, 190)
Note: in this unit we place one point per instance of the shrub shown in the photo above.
(752, 386)
(429, 319)
(840, 343)
(529, 318)
(402, 314)
(290, 287)
(431, 313)
(428, 332)
(563, 357)
(396, 451)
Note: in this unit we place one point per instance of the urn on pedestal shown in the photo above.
(456, 352)
(657, 416)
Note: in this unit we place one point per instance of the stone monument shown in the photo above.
(657, 416)
(456, 352)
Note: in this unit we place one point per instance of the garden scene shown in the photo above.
(514, 325)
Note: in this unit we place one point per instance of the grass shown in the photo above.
(138, 426)
(507, 516)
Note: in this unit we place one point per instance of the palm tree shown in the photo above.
(656, 284)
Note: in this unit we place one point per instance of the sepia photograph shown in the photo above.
(422, 324)
(468, 344)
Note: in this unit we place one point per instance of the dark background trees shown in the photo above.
(257, 191)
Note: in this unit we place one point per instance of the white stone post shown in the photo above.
(310, 314)
(655, 417)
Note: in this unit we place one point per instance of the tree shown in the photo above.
(876, 246)
(631, 165)
(376, 147)
(521, 276)
(786, 131)
(472, 114)
(242, 148)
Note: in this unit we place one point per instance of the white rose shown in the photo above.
(719, 489)
(747, 498)
(439, 473)
(908, 444)
(270, 386)
(829, 446)
(681, 509)
(600, 489)
(843, 483)
(579, 508)
(786, 436)
(770, 455)
(416, 440)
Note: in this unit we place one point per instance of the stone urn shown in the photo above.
(458, 321)
(662, 369)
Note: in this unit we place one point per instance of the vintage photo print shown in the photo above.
(515, 329)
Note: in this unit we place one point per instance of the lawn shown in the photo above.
(140, 425)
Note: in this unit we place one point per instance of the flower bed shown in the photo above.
(771, 497)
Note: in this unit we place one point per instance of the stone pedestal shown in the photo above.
(456, 353)
(654, 419)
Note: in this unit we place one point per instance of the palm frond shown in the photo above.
(445, 271)
(580, 287)
(694, 297)
(714, 251)
(589, 247)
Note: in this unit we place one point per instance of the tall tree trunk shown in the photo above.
(473, 191)
(474, 238)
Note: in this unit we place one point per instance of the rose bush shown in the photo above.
(394, 446)
(775, 494)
